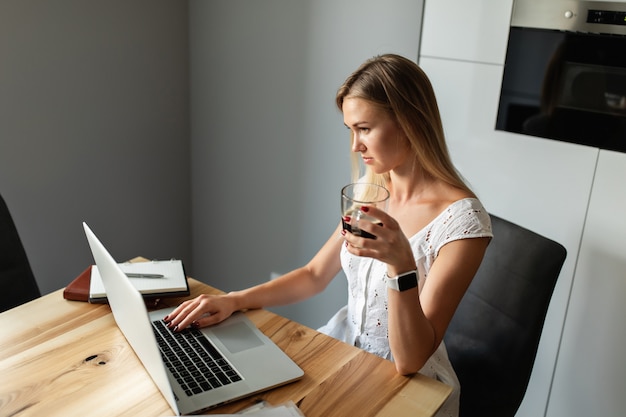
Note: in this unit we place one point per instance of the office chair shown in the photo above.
(17, 282)
(493, 337)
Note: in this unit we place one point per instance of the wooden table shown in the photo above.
(68, 358)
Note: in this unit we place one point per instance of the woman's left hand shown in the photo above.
(390, 245)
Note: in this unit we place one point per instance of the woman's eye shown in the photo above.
(359, 129)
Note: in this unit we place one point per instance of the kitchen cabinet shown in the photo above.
(590, 375)
(466, 30)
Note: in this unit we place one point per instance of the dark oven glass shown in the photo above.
(565, 86)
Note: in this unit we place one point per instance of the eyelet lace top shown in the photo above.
(363, 322)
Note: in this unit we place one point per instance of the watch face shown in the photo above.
(404, 282)
(407, 282)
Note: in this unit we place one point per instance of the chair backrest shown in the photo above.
(493, 337)
(17, 282)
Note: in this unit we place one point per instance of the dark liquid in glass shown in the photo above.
(362, 233)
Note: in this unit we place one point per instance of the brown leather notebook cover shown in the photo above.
(78, 290)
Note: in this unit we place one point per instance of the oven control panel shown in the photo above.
(606, 17)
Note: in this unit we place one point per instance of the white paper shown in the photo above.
(173, 280)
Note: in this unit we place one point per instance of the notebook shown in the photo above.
(250, 362)
(153, 279)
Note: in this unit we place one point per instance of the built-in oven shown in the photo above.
(565, 72)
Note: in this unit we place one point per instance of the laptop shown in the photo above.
(234, 359)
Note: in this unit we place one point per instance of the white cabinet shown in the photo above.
(590, 376)
(474, 30)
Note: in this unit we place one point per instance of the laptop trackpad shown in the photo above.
(237, 337)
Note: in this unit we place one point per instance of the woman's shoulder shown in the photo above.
(466, 203)
(467, 216)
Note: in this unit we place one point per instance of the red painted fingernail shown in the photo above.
(343, 232)
(195, 324)
(365, 209)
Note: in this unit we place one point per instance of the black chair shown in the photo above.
(17, 282)
(493, 337)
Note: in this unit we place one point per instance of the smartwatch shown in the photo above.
(403, 282)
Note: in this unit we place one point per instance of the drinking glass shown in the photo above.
(356, 195)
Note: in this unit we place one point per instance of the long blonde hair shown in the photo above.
(400, 87)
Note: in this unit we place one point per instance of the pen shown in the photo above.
(144, 275)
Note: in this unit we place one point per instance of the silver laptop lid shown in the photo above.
(131, 316)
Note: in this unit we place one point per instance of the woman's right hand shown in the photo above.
(202, 311)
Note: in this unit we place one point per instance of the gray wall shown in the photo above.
(98, 123)
(94, 126)
(269, 149)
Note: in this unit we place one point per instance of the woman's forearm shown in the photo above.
(290, 288)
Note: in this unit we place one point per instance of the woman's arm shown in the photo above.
(297, 285)
(417, 321)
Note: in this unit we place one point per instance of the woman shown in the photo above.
(407, 282)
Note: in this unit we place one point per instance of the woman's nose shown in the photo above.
(357, 145)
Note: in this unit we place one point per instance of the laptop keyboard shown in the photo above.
(193, 360)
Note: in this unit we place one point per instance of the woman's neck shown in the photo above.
(411, 186)
(422, 188)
